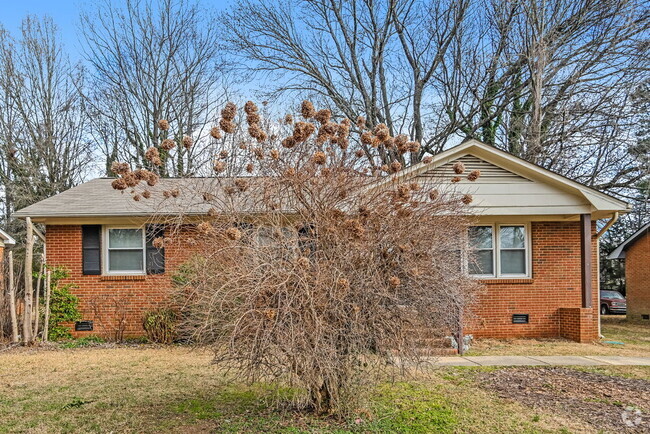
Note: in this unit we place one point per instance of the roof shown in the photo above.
(508, 186)
(6, 240)
(619, 252)
(97, 198)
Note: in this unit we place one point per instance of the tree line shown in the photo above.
(561, 83)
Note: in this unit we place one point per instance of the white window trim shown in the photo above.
(105, 250)
(496, 257)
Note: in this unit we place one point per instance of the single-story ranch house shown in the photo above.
(636, 253)
(535, 234)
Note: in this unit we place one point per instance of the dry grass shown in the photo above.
(634, 336)
(149, 389)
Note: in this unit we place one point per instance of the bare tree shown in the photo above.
(42, 117)
(152, 60)
(316, 273)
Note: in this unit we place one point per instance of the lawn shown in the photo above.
(175, 389)
(632, 339)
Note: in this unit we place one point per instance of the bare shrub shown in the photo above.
(111, 313)
(317, 272)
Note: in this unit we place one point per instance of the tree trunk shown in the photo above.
(29, 287)
(12, 300)
(37, 300)
(48, 291)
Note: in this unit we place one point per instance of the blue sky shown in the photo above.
(65, 14)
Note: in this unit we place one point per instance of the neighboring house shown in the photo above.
(6, 242)
(636, 252)
(535, 233)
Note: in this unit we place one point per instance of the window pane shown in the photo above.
(512, 237)
(482, 263)
(480, 237)
(124, 238)
(125, 260)
(513, 262)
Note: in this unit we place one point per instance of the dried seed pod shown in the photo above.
(215, 132)
(137, 197)
(413, 146)
(158, 243)
(250, 107)
(361, 122)
(223, 154)
(458, 167)
(381, 131)
(249, 167)
(395, 166)
(227, 126)
(434, 195)
(428, 159)
(120, 168)
(414, 186)
(175, 192)
(187, 142)
(290, 172)
(403, 193)
(119, 184)
(163, 124)
(455, 179)
(229, 111)
(319, 158)
(152, 153)
(307, 110)
(367, 138)
(289, 142)
(233, 234)
(275, 154)
(474, 175)
(467, 199)
(219, 166)
(323, 116)
(288, 119)
(359, 153)
(146, 194)
(253, 118)
(167, 144)
(241, 184)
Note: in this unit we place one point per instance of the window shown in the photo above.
(499, 251)
(125, 251)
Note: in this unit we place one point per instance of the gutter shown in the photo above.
(600, 233)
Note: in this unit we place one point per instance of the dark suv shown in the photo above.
(612, 302)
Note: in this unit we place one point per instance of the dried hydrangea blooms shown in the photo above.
(158, 243)
(137, 197)
(258, 153)
(319, 158)
(229, 111)
(167, 144)
(215, 132)
(249, 167)
(275, 154)
(359, 153)
(242, 184)
(403, 193)
(367, 138)
(289, 142)
(394, 281)
(204, 228)
(219, 166)
(434, 195)
(428, 159)
(146, 194)
(307, 109)
(175, 192)
(227, 126)
(323, 116)
(361, 122)
(253, 118)
(381, 131)
(302, 131)
(455, 179)
(413, 146)
(474, 175)
(233, 234)
(163, 124)
(187, 142)
(414, 186)
(250, 107)
(152, 153)
(288, 119)
(120, 168)
(467, 199)
(395, 166)
(119, 184)
(458, 167)
(223, 154)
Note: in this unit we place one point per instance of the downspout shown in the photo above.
(598, 235)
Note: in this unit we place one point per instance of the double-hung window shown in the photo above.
(125, 250)
(500, 250)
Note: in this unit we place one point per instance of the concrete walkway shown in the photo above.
(542, 361)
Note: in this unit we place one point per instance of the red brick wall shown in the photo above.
(637, 278)
(578, 324)
(555, 284)
(112, 302)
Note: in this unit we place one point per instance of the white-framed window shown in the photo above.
(124, 250)
(499, 251)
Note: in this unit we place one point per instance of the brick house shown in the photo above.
(535, 238)
(636, 253)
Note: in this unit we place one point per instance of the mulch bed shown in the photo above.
(612, 404)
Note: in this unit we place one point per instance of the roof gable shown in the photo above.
(619, 252)
(525, 188)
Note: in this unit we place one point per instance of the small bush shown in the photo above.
(86, 341)
(64, 306)
(160, 325)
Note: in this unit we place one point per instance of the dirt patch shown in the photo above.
(607, 403)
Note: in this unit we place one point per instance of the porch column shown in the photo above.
(585, 259)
